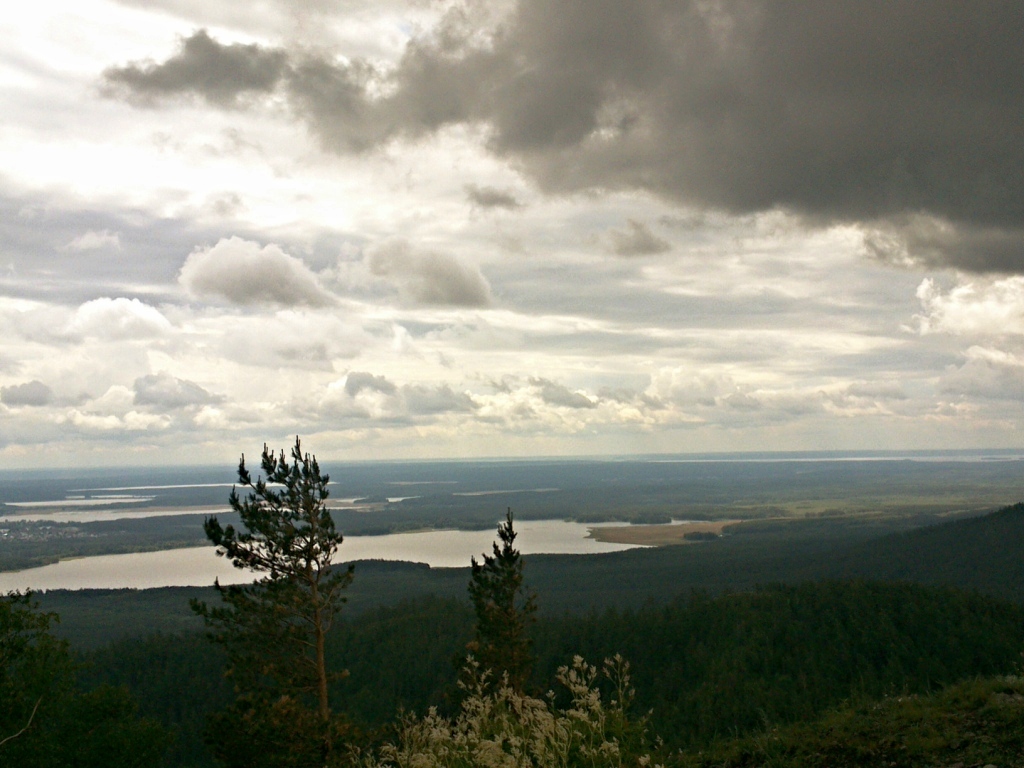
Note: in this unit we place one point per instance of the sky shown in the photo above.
(448, 228)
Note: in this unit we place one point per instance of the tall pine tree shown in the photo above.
(275, 630)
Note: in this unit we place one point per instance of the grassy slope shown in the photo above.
(973, 723)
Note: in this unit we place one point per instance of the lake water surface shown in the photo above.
(199, 566)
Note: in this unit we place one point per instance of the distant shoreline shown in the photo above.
(332, 466)
(668, 534)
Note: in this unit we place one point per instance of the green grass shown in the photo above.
(973, 723)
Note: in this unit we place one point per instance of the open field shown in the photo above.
(658, 535)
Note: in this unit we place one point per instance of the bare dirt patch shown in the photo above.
(657, 535)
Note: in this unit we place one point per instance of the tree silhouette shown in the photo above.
(504, 611)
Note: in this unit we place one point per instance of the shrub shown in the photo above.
(499, 727)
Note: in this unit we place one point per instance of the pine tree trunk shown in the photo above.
(321, 662)
(321, 679)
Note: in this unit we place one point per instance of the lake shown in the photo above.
(199, 566)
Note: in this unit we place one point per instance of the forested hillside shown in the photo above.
(982, 553)
(706, 667)
(46, 720)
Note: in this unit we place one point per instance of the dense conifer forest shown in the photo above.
(706, 667)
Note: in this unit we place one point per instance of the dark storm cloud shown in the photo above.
(30, 393)
(936, 243)
(221, 74)
(491, 197)
(870, 112)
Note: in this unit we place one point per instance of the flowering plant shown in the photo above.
(499, 727)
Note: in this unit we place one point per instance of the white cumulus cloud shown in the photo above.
(243, 272)
(986, 308)
(118, 318)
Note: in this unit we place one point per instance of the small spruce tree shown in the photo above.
(504, 611)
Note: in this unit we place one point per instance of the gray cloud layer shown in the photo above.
(491, 197)
(167, 392)
(880, 112)
(430, 278)
(410, 399)
(553, 393)
(357, 381)
(636, 240)
(33, 393)
(222, 73)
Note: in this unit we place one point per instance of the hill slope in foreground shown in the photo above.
(973, 723)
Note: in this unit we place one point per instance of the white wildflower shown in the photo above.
(501, 728)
